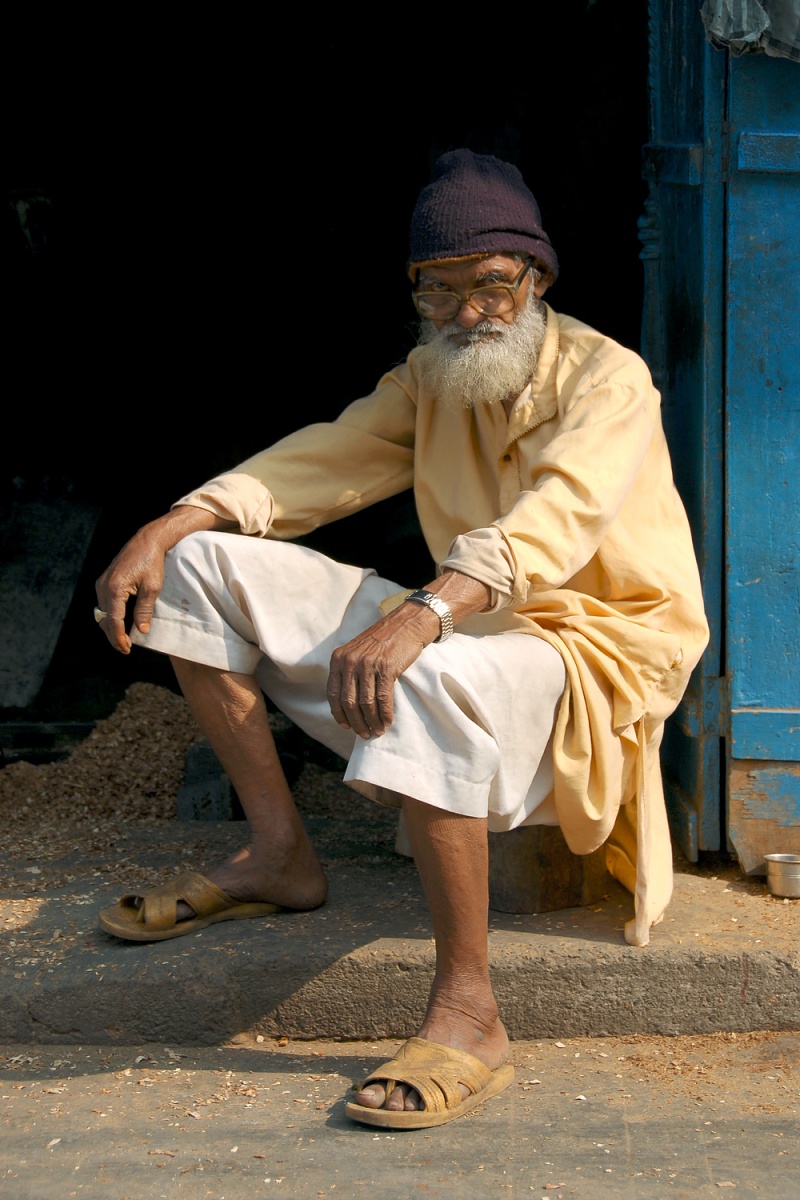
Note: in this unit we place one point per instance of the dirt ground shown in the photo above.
(686, 1069)
(584, 1119)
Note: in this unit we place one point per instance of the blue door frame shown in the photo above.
(721, 332)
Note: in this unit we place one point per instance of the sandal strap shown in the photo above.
(157, 909)
(435, 1072)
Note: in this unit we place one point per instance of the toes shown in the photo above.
(396, 1101)
(401, 1099)
(373, 1096)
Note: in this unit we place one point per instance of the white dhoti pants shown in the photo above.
(473, 717)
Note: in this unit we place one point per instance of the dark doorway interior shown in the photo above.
(155, 340)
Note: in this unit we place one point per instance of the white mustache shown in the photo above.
(475, 333)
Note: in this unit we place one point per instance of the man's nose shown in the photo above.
(467, 316)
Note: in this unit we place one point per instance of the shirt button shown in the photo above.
(506, 458)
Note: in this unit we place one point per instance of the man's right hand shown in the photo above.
(138, 570)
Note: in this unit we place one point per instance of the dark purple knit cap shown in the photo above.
(476, 204)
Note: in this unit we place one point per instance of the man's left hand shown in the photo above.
(364, 670)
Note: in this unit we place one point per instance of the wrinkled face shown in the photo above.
(464, 277)
(474, 358)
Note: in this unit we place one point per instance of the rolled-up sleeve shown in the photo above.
(484, 554)
(238, 497)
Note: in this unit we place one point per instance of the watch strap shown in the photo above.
(434, 602)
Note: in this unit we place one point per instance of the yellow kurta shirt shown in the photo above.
(568, 511)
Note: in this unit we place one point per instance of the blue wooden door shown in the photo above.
(721, 331)
(762, 455)
(682, 233)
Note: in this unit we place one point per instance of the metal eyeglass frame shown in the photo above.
(466, 298)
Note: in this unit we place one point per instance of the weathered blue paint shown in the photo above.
(768, 152)
(771, 794)
(762, 371)
(766, 733)
(764, 802)
(673, 164)
(721, 332)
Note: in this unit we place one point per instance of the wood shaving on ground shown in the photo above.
(126, 775)
(129, 768)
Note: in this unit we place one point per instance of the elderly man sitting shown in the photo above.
(528, 682)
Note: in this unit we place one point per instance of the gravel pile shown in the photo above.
(126, 775)
(127, 771)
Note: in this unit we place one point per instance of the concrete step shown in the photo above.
(726, 957)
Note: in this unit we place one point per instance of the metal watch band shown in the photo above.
(431, 600)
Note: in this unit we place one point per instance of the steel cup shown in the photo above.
(783, 874)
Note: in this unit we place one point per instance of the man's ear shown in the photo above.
(542, 283)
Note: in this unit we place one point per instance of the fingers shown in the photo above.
(110, 616)
(360, 699)
(132, 573)
(361, 683)
(143, 608)
(114, 629)
(110, 613)
(364, 671)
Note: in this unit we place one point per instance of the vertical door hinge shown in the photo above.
(724, 162)
(705, 708)
(716, 706)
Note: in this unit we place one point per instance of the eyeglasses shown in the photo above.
(493, 300)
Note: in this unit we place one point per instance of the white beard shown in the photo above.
(497, 362)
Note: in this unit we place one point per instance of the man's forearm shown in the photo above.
(181, 521)
(462, 594)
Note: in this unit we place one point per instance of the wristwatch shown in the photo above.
(431, 600)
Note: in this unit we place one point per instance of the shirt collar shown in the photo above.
(543, 388)
(539, 400)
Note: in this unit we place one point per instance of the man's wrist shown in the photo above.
(183, 519)
(437, 605)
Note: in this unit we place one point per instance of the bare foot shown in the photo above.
(293, 880)
(482, 1036)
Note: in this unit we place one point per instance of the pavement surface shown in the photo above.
(217, 1065)
(638, 1118)
(726, 958)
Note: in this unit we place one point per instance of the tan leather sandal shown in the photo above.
(152, 916)
(436, 1073)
